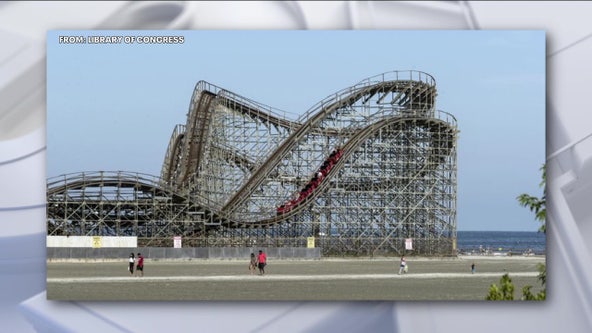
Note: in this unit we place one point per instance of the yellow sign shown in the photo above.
(310, 242)
(96, 241)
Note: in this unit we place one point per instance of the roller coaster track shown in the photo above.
(113, 200)
(348, 150)
(187, 143)
(384, 133)
(407, 91)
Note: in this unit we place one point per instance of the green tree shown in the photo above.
(527, 295)
(506, 290)
(537, 205)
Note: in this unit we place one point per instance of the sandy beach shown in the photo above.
(328, 279)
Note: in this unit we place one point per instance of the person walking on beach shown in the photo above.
(132, 261)
(403, 266)
(253, 264)
(262, 262)
(473, 268)
(140, 266)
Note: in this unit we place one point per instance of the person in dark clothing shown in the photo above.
(253, 264)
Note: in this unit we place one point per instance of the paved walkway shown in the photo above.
(271, 277)
(322, 280)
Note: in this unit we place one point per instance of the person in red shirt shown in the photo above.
(140, 265)
(262, 259)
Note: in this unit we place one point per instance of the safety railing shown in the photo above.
(408, 75)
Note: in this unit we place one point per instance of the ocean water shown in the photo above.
(501, 241)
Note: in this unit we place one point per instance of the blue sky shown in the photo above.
(113, 107)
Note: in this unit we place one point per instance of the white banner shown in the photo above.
(177, 242)
(408, 244)
(91, 241)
